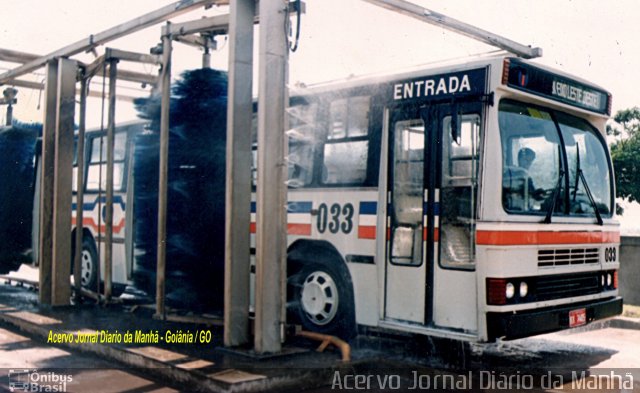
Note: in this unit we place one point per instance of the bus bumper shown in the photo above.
(513, 325)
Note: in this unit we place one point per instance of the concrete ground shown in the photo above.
(73, 372)
(203, 365)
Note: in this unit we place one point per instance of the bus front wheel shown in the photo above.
(323, 299)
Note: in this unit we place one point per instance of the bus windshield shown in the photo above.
(552, 162)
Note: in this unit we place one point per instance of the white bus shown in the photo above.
(473, 202)
(94, 206)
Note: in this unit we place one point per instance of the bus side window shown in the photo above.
(303, 139)
(347, 146)
(97, 168)
(458, 200)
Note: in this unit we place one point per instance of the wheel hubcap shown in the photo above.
(320, 297)
(87, 268)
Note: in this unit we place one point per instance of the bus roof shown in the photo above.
(566, 83)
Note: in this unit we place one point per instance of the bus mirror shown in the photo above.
(402, 245)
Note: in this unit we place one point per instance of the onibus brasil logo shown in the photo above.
(25, 380)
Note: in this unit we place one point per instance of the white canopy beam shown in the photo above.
(435, 18)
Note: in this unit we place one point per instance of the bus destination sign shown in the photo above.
(534, 80)
(440, 86)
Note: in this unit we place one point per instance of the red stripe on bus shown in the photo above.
(366, 232)
(292, 229)
(436, 235)
(299, 229)
(513, 238)
(89, 222)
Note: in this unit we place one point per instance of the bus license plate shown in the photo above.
(577, 317)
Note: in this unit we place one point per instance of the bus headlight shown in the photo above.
(609, 279)
(509, 290)
(524, 289)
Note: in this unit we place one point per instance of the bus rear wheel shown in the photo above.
(88, 265)
(89, 270)
(323, 299)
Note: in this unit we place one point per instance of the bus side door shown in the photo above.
(431, 207)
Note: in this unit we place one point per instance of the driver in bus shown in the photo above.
(525, 159)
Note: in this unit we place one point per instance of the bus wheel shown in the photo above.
(88, 263)
(324, 299)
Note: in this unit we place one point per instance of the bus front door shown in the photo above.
(431, 205)
(406, 270)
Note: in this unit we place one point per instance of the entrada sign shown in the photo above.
(448, 85)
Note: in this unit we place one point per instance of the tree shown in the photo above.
(625, 154)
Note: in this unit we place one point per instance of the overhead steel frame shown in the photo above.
(438, 19)
(271, 190)
(55, 196)
(158, 16)
(14, 56)
(111, 58)
(271, 230)
(182, 32)
(169, 33)
(238, 183)
(57, 148)
(271, 198)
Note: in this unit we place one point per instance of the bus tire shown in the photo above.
(88, 265)
(89, 271)
(323, 299)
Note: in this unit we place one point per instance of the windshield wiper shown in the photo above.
(580, 175)
(577, 182)
(594, 205)
(554, 199)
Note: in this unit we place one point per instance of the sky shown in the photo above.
(343, 38)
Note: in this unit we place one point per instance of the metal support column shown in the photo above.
(206, 58)
(271, 230)
(45, 249)
(108, 219)
(63, 170)
(163, 175)
(238, 186)
(77, 260)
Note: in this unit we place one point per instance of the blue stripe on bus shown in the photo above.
(365, 207)
(292, 207)
(299, 207)
(89, 206)
(368, 207)
(436, 208)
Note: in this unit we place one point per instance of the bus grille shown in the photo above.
(567, 256)
(566, 285)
